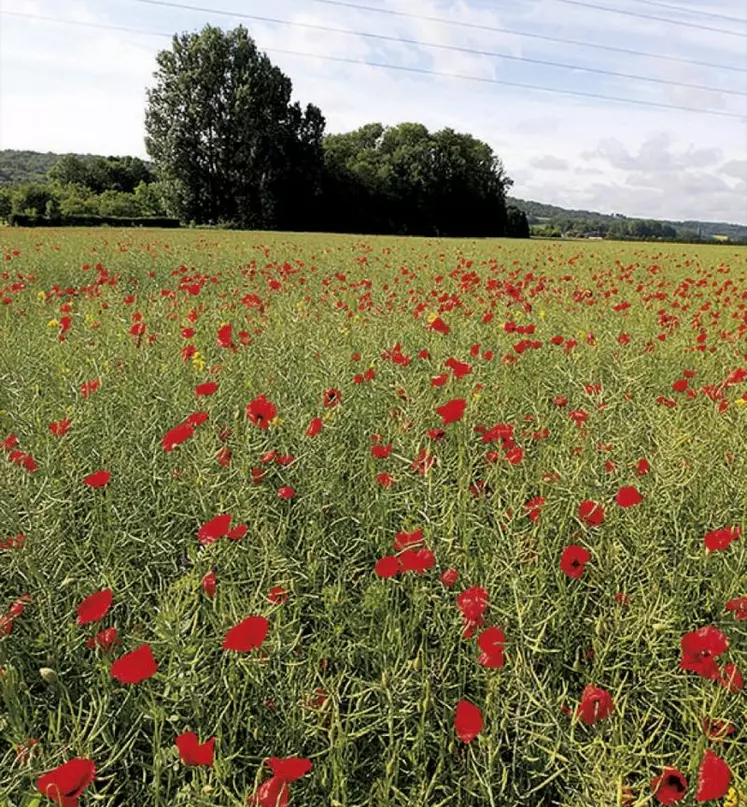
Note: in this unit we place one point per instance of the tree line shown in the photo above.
(228, 146)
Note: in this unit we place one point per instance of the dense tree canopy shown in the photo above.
(224, 135)
(407, 180)
(100, 174)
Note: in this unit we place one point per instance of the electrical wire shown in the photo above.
(416, 70)
(452, 48)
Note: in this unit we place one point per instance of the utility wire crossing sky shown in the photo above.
(620, 106)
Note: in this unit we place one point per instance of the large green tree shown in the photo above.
(226, 138)
(405, 179)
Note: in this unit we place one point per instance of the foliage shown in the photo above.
(406, 180)
(109, 341)
(100, 174)
(220, 124)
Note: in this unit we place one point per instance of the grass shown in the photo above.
(388, 654)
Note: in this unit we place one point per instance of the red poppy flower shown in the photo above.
(88, 387)
(731, 679)
(738, 606)
(208, 388)
(9, 443)
(423, 462)
(534, 508)
(381, 452)
(65, 784)
(208, 584)
(98, 479)
(449, 577)
(416, 560)
(717, 729)
(714, 778)
(286, 492)
(452, 411)
(573, 560)
(591, 513)
(261, 411)
(223, 456)
(721, 539)
(197, 418)
(439, 380)
(225, 337)
(385, 480)
(388, 566)
(59, 428)
(439, 326)
(134, 667)
(459, 368)
(275, 792)
(628, 496)
(214, 529)
(331, 398)
(403, 539)
(277, 595)
(473, 603)
(192, 752)
(596, 704)
(105, 640)
(468, 722)
(642, 467)
(700, 649)
(314, 427)
(17, 541)
(492, 643)
(238, 532)
(95, 607)
(669, 787)
(248, 635)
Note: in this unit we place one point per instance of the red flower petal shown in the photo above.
(66, 783)
(134, 667)
(215, 528)
(248, 635)
(192, 752)
(714, 778)
(95, 607)
(468, 721)
(388, 566)
(628, 496)
(98, 479)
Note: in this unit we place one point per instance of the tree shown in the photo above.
(407, 180)
(101, 174)
(517, 225)
(224, 135)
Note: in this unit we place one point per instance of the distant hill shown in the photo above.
(25, 166)
(590, 222)
(31, 166)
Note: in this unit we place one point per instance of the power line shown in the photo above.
(652, 17)
(698, 12)
(439, 46)
(417, 70)
(514, 32)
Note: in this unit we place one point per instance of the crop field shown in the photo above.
(325, 520)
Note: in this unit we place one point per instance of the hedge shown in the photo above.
(20, 220)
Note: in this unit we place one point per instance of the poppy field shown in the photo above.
(329, 520)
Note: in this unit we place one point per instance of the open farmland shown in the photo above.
(430, 472)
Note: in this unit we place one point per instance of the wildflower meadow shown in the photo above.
(329, 520)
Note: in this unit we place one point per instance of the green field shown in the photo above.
(362, 674)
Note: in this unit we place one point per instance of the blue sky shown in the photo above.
(76, 88)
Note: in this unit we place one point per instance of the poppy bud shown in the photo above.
(49, 675)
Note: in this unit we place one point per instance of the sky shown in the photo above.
(82, 87)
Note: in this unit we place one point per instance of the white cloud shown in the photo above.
(73, 88)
